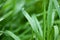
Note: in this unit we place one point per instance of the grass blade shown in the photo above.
(34, 24)
(38, 25)
(44, 18)
(18, 5)
(30, 20)
(57, 6)
(56, 32)
(12, 35)
(6, 15)
(49, 18)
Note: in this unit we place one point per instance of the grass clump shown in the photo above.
(29, 20)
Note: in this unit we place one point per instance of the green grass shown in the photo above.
(29, 20)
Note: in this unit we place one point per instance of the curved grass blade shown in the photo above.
(31, 21)
(12, 35)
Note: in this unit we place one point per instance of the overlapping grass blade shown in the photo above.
(31, 21)
(34, 24)
(37, 25)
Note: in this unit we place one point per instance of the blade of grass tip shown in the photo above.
(56, 32)
(12, 35)
(57, 6)
(6, 15)
(38, 25)
(49, 16)
(31, 21)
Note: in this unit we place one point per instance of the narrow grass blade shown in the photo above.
(25, 32)
(38, 25)
(44, 18)
(57, 6)
(6, 15)
(49, 16)
(12, 35)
